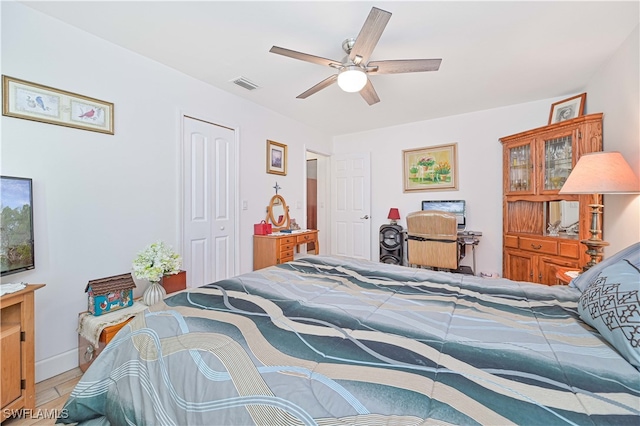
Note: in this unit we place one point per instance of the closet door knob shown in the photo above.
(366, 216)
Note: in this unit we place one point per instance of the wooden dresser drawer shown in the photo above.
(286, 256)
(304, 238)
(538, 245)
(570, 249)
(286, 247)
(288, 240)
(511, 241)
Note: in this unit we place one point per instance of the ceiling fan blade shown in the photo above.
(369, 35)
(318, 87)
(403, 66)
(369, 93)
(305, 57)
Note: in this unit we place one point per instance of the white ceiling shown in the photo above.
(493, 53)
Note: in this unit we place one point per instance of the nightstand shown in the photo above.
(88, 351)
(565, 275)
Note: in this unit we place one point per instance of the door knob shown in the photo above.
(366, 216)
(222, 228)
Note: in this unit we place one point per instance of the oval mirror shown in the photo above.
(278, 213)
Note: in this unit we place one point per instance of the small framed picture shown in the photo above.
(31, 101)
(567, 109)
(276, 158)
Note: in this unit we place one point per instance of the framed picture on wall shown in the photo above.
(430, 168)
(31, 101)
(276, 158)
(567, 109)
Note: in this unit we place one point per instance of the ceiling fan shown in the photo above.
(353, 69)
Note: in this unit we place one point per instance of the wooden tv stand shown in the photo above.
(17, 347)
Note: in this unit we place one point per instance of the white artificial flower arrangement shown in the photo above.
(156, 260)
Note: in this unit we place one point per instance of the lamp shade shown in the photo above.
(601, 173)
(394, 214)
(352, 79)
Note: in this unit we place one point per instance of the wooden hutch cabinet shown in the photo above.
(536, 163)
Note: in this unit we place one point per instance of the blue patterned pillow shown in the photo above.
(611, 304)
(582, 281)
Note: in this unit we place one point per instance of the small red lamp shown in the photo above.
(394, 215)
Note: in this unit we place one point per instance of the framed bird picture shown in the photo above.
(31, 101)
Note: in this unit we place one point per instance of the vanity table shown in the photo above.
(276, 248)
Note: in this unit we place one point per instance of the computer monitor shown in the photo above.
(456, 207)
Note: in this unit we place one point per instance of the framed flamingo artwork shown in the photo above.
(31, 101)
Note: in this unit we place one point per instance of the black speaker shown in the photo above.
(391, 244)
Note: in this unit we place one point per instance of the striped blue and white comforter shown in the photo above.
(325, 340)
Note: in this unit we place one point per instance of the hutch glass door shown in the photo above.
(557, 162)
(520, 166)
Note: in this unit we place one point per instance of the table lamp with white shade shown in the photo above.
(600, 173)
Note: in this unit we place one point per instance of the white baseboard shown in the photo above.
(47, 368)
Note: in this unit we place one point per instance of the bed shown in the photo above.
(328, 340)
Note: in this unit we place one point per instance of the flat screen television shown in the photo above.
(16, 225)
(457, 207)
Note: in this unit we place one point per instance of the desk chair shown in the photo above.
(432, 239)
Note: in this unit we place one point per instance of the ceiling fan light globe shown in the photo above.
(352, 79)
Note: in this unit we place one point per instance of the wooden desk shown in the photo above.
(273, 249)
(17, 349)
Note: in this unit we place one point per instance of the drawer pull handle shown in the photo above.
(536, 247)
(88, 355)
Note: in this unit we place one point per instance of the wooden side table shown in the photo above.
(565, 275)
(87, 352)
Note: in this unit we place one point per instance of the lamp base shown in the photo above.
(595, 243)
(594, 250)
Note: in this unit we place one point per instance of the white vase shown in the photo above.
(153, 294)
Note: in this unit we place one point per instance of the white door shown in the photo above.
(208, 188)
(351, 205)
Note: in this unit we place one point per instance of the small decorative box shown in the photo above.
(110, 294)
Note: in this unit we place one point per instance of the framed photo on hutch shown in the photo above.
(567, 109)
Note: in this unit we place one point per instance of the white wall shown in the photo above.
(479, 169)
(616, 91)
(99, 199)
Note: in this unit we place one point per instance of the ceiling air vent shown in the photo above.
(243, 82)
